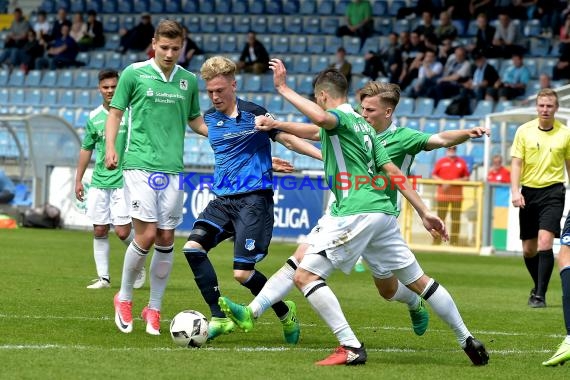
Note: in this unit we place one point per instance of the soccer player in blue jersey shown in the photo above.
(243, 208)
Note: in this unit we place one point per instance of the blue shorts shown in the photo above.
(248, 218)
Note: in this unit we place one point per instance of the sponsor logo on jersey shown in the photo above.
(220, 123)
(149, 92)
(183, 84)
(250, 244)
(565, 239)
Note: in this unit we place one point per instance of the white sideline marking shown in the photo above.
(387, 328)
(40, 347)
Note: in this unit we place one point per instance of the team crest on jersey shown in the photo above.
(250, 244)
(183, 84)
(149, 92)
(384, 143)
(565, 239)
(220, 123)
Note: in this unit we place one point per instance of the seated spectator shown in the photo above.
(420, 7)
(549, 16)
(412, 55)
(60, 21)
(388, 61)
(94, 36)
(78, 28)
(513, 82)
(254, 57)
(139, 37)
(28, 54)
(428, 74)
(544, 81)
(445, 29)
(484, 37)
(498, 173)
(359, 21)
(457, 70)
(426, 27)
(342, 65)
(459, 10)
(42, 26)
(7, 188)
(189, 50)
(524, 9)
(444, 51)
(16, 37)
(60, 53)
(484, 76)
(508, 39)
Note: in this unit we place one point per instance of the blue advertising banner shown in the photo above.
(298, 202)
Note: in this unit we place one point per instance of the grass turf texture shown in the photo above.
(51, 326)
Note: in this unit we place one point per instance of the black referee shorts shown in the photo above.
(543, 210)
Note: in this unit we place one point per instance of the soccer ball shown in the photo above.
(189, 328)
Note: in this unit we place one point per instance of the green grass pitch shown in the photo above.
(52, 327)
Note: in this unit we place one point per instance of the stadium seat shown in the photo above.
(308, 7)
(383, 26)
(196, 63)
(111, 24)
(532, 28)
(441, 107)
(205, 103)
(325, 8)
(81, 118)
(49, 79)
(293, 25)
(22, 196)
(67, 99)
(312, 26)
(380, 8)
(68, 115)
(65, 79)
(305, 84)
(243, 25)
(93, 78)
(405, 107)
(223, 6)
(413, 122)
(274, 7)
(351, 45)
(172, 6)
(208, 24)
(125, 6)
(329, 25)
(483, 108)
(477, 152)
(33, 78)
(451, 124)
(291, 7)
(319, 63)
(298, 45)
(332, 44)
(539, 47)
(83, 99)
(96, 61)
(252, 83)
(315, 45)
(109, 6)
(259, 24)
(228, 44)
(340, 7)
(395, 6)
(402, 25)
(16, 97)
(239, 6)
(33, 97)
(303, 64)
(190, 6)
(4, 75)
(257, 7)
(280, 45)
(275, 103)
(424, 107)
(472, 28)
(193, 24)
(503, 106)
(431, 126)
(225, 24)
(17, 78)
(212, 41)
(546, 66)
(357, 65)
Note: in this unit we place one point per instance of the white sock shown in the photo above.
(405, 295)
(276, 288)
(160, 268)
(135, 258)
(567, 340)
(129, 238)
(101, 249)
(325, 303)
(443, 305)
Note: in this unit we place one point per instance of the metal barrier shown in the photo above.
(459, 204)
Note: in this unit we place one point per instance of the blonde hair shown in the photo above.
(218, 65)
(388, 93)
(547, 92)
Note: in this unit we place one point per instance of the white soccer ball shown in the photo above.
(189, 328)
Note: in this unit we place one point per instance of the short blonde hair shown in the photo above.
(218, 65)
(547, 92)
(388, 93)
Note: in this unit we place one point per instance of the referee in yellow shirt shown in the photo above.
(540, 150)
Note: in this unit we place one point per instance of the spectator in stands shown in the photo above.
(450, 168)
(60, 53)
(254, 57)
(412, 55)
(342, 65)
(78, 28)
(428, 74)
(477, 7)
(189, 49)
(426, 27)
(459, 10)
(513, 82)
(60, 21)
(544, 81)
(138, 38)
(549, 16)
(484, 37)
(445, 29)
(15, 39)
(388, 61)
(42, 26)
(484, 76)
(497, 172)
(94, 36)
(457, 70)
(444, 51)
(7, 188)
(508, 38)
(421, 7)
(28, 54)
(359, 21)
(524, 9)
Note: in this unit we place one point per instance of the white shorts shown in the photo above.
(161, 206)
(374, 236)
(107, 206)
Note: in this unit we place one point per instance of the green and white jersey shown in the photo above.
(94, 139)
(160, 108)
(351, 154)
(402, 145)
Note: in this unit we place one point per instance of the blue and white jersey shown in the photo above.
(242, 153)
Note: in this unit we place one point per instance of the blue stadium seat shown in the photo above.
(83, 99)
(441, 107)
(17, 78)
(380, 8)
(402, 25)
(357, 65)
(275, 103)
(431, 126)
(65, 79)
(383, 26)
(229, 44)
(483, 108)
(308, 7)
(96, 61)
(477, 152)
(472, 28)
(316, 44)
(257, 7)
(33, 78)
(289, 62)
(303, 64)
(329, 25)
(208, 24)
(280, 45)
(172, 6)
(67, 99)
(205, 102)
(193, 24)
(511, 131)
(226, 24)
(293, 25)
(424, 107)
(532, 28)
(48, 6)
(81, 118)
(449, 125)
(190, 6)
(212, 41)
(312, 26)
(83, 57)
(49, 79)
(405, 107)
(305, 84)
(125, 6)
(93, 78)
(503, 106)
(33, 97)
(109, 6)
(17, 97)
(274, 7)
(539, 47)
(259, 24)
(395, 5)
(298, 45)
(291, 7)
(243, 25)
(49, 97)
(4, 75)
(325, 8)
(351, 45)
(546, 66)
(340, 7)
(265, 40)
(196, 63)
(276, 25)
(252, 83)
(140, 6)
(413, 122)
(111, 24)
(223, 7)
(68, 115)
(206, 7)
(77, 6)
(239, 7)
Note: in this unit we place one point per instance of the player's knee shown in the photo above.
(162, 270)
(301, 278)
(387, 291)
(100, 231)
(242, 276)
(122, 233)
(202, 236)
(194, 252)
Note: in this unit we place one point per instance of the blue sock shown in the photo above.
(206, 279)
(565, 278)
(255, 283)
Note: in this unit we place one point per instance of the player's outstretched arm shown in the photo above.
(282, 166)
(315, 113)
(199, 126)
(82, 163)
(298, 145)
(302, 130)
(455, 137)
(111, 129)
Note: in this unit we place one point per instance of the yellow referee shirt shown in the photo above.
(543, 153)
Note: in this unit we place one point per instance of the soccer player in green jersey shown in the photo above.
(106, 203)
(163, 100)
(341, 237)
